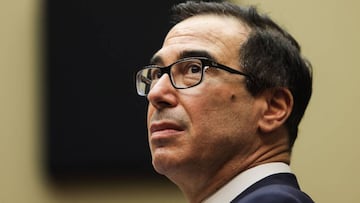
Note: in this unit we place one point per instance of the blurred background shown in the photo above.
(48, 88)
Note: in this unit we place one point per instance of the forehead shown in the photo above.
(219, 36)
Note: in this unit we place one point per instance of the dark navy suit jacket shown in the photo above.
(277, 188)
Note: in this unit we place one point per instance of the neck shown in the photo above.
(197, 186)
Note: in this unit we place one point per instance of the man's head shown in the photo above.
(207, 123)
(270, 54)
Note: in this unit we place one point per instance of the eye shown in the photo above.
(191, 68)
(191, 72)
(194, 68)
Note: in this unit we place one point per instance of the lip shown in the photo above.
(164, 129)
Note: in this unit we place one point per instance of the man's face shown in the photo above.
(201, 128)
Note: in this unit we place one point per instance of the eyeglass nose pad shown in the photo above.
(205, 69)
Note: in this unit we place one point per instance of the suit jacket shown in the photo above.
(277, 188)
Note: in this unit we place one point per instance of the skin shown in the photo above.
(203, 136)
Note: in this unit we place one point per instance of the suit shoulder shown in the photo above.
(276, 193)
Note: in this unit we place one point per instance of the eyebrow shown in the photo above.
(157, 59)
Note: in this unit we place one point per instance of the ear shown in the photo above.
(279, 104)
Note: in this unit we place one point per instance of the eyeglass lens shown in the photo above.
(183, 74)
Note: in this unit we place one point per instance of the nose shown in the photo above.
(162, 94)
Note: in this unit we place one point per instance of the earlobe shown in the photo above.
(279, 104)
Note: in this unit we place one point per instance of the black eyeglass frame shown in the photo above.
(205, 62)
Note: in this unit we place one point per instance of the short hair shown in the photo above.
(270, 54)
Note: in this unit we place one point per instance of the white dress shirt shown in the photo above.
(245, 179)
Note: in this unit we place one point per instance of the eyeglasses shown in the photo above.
(184, 73)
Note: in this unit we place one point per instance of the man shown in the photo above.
(226, 93)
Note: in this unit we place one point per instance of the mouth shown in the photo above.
(163, 130)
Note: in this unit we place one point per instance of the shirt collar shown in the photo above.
(245, 179)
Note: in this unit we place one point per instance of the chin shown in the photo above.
(164, 161)
(160, 167)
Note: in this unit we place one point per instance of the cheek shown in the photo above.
(220, 132)
(209, 115)
(224, 113)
